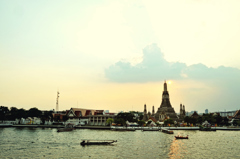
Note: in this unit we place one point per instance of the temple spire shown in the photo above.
(165, 86)
(166, 107)
(153, 111)
(145, 109)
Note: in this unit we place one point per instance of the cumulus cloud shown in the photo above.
(154, 67)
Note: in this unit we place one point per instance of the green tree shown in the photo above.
(109, 121)
(187, 120)
(235, 122)
(126, 116)
(193, 120)
(65, 118)
(120, 121)
(200, 120)
(209, 118)
(13, 113)
(168, 121)
(238, 122)
(225, 121)
(21, 113)
(218, 119)
(3, 112)
(34, 112)
(141, 122)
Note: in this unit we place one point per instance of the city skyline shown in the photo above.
(116, 55)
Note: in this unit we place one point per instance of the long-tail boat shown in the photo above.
(97, 142)
(181, 137)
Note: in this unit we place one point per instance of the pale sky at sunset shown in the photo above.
(115, 55)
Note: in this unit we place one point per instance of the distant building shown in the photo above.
(100, 119)
(206, 111)
(227, 113)
(236, 115)
(195, 115)
(191, 113)
(81, 116)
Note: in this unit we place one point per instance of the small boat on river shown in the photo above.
(97, 142)
(68, 127)
(167, 131)
(181, 137)
(150, 129)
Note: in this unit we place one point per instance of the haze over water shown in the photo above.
(47, 143)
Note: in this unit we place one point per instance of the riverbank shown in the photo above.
(119, 127)
(55, 126)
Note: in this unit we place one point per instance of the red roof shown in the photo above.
(77, 113)
(99, 112)
(88, 112)
(153, 119)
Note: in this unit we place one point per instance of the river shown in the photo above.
(48, 143)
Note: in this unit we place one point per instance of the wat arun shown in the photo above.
(166, 108)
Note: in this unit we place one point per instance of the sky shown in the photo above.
(115, 55)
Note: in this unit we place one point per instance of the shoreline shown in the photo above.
(109, 128)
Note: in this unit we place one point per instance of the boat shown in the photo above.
(150, 129)
(167, 131)
(68, 127)
(97, 142)
(181, 137)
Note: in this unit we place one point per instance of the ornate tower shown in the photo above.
(181, 110)
(184, 113)
(145, 109)
(145, 115)
(153, 112)
(166, 106)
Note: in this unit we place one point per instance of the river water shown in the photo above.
(48, 143)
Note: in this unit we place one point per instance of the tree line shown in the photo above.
(121, 119)
(13, 113)
(212, 119)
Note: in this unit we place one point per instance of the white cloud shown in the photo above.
(154, 67)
